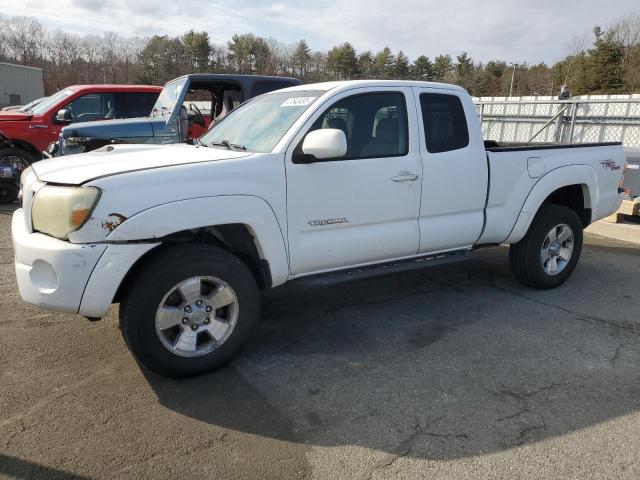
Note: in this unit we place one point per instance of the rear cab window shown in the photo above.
(445, 123)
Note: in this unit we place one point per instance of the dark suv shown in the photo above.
(185, 109)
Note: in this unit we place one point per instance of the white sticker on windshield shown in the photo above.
(297, 101)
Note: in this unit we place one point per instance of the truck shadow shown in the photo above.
(441, 363)
(16, 468)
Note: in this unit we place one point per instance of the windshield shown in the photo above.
(259, 124)
(168, 97)
(44, 106)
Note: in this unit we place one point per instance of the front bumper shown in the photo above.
(67, 277)
(51, 273)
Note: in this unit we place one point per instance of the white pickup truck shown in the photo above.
(302, 181)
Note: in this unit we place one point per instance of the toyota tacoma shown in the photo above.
(310, 180)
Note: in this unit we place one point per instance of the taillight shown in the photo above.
(631, 166)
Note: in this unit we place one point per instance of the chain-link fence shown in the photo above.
(614, 118)
(595, 118)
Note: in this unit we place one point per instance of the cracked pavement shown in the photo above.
(451, 372)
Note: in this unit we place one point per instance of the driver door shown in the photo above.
(362, 208)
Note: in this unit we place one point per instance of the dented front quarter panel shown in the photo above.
(137, 208)
(179, 174)
(145, 205)
(113, 221)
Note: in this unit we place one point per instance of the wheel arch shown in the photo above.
(573, 186)
(244, 225)
(27, 147)
(235, 238)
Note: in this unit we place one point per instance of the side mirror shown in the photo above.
(64, 116)
(325, 143)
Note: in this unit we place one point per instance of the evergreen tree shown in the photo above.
(383, 63)
(401, 66)
(604, 63)
(301, 58)
(365, 64)
(198, 48)
(342, 61)
(422, 68)
(442, 67)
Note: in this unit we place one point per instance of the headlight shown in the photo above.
(58, 211)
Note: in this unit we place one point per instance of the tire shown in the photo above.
(162, 285)
(532, 259)
(8, 192)
(5, 153)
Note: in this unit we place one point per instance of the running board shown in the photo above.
(386, 268)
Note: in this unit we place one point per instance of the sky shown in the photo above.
(533, 31)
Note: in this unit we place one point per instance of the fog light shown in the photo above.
(43, 277)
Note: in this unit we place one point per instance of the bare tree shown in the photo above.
(110, 58)
(577, 44)
(626, 31)
(24, 39)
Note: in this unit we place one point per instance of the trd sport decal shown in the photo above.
(609, 165)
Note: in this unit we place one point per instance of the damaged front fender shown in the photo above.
(112, 222)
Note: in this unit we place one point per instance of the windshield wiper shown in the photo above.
(228, 145)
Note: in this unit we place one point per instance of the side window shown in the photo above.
(445, 124)
(375, 124)
(133, 104)
(88, 107)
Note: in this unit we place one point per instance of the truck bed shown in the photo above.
(516, 168)
(494, 146)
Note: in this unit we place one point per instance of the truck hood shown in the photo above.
(13, 116)
(119, 159)
(122, 128)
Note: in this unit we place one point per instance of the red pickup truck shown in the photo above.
(28, 132)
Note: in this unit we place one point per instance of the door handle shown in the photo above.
(405, 177)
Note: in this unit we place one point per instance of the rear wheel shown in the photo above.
(550, 250)
(189, 310)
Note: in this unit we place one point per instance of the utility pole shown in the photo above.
(513, 75)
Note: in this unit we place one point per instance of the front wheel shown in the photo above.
(550, 250)
(11, 155)
(189, 309)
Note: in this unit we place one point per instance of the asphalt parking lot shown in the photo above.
(449, 372)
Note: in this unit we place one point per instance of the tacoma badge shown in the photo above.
(327, 221)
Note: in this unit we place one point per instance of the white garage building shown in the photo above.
(19, 84)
